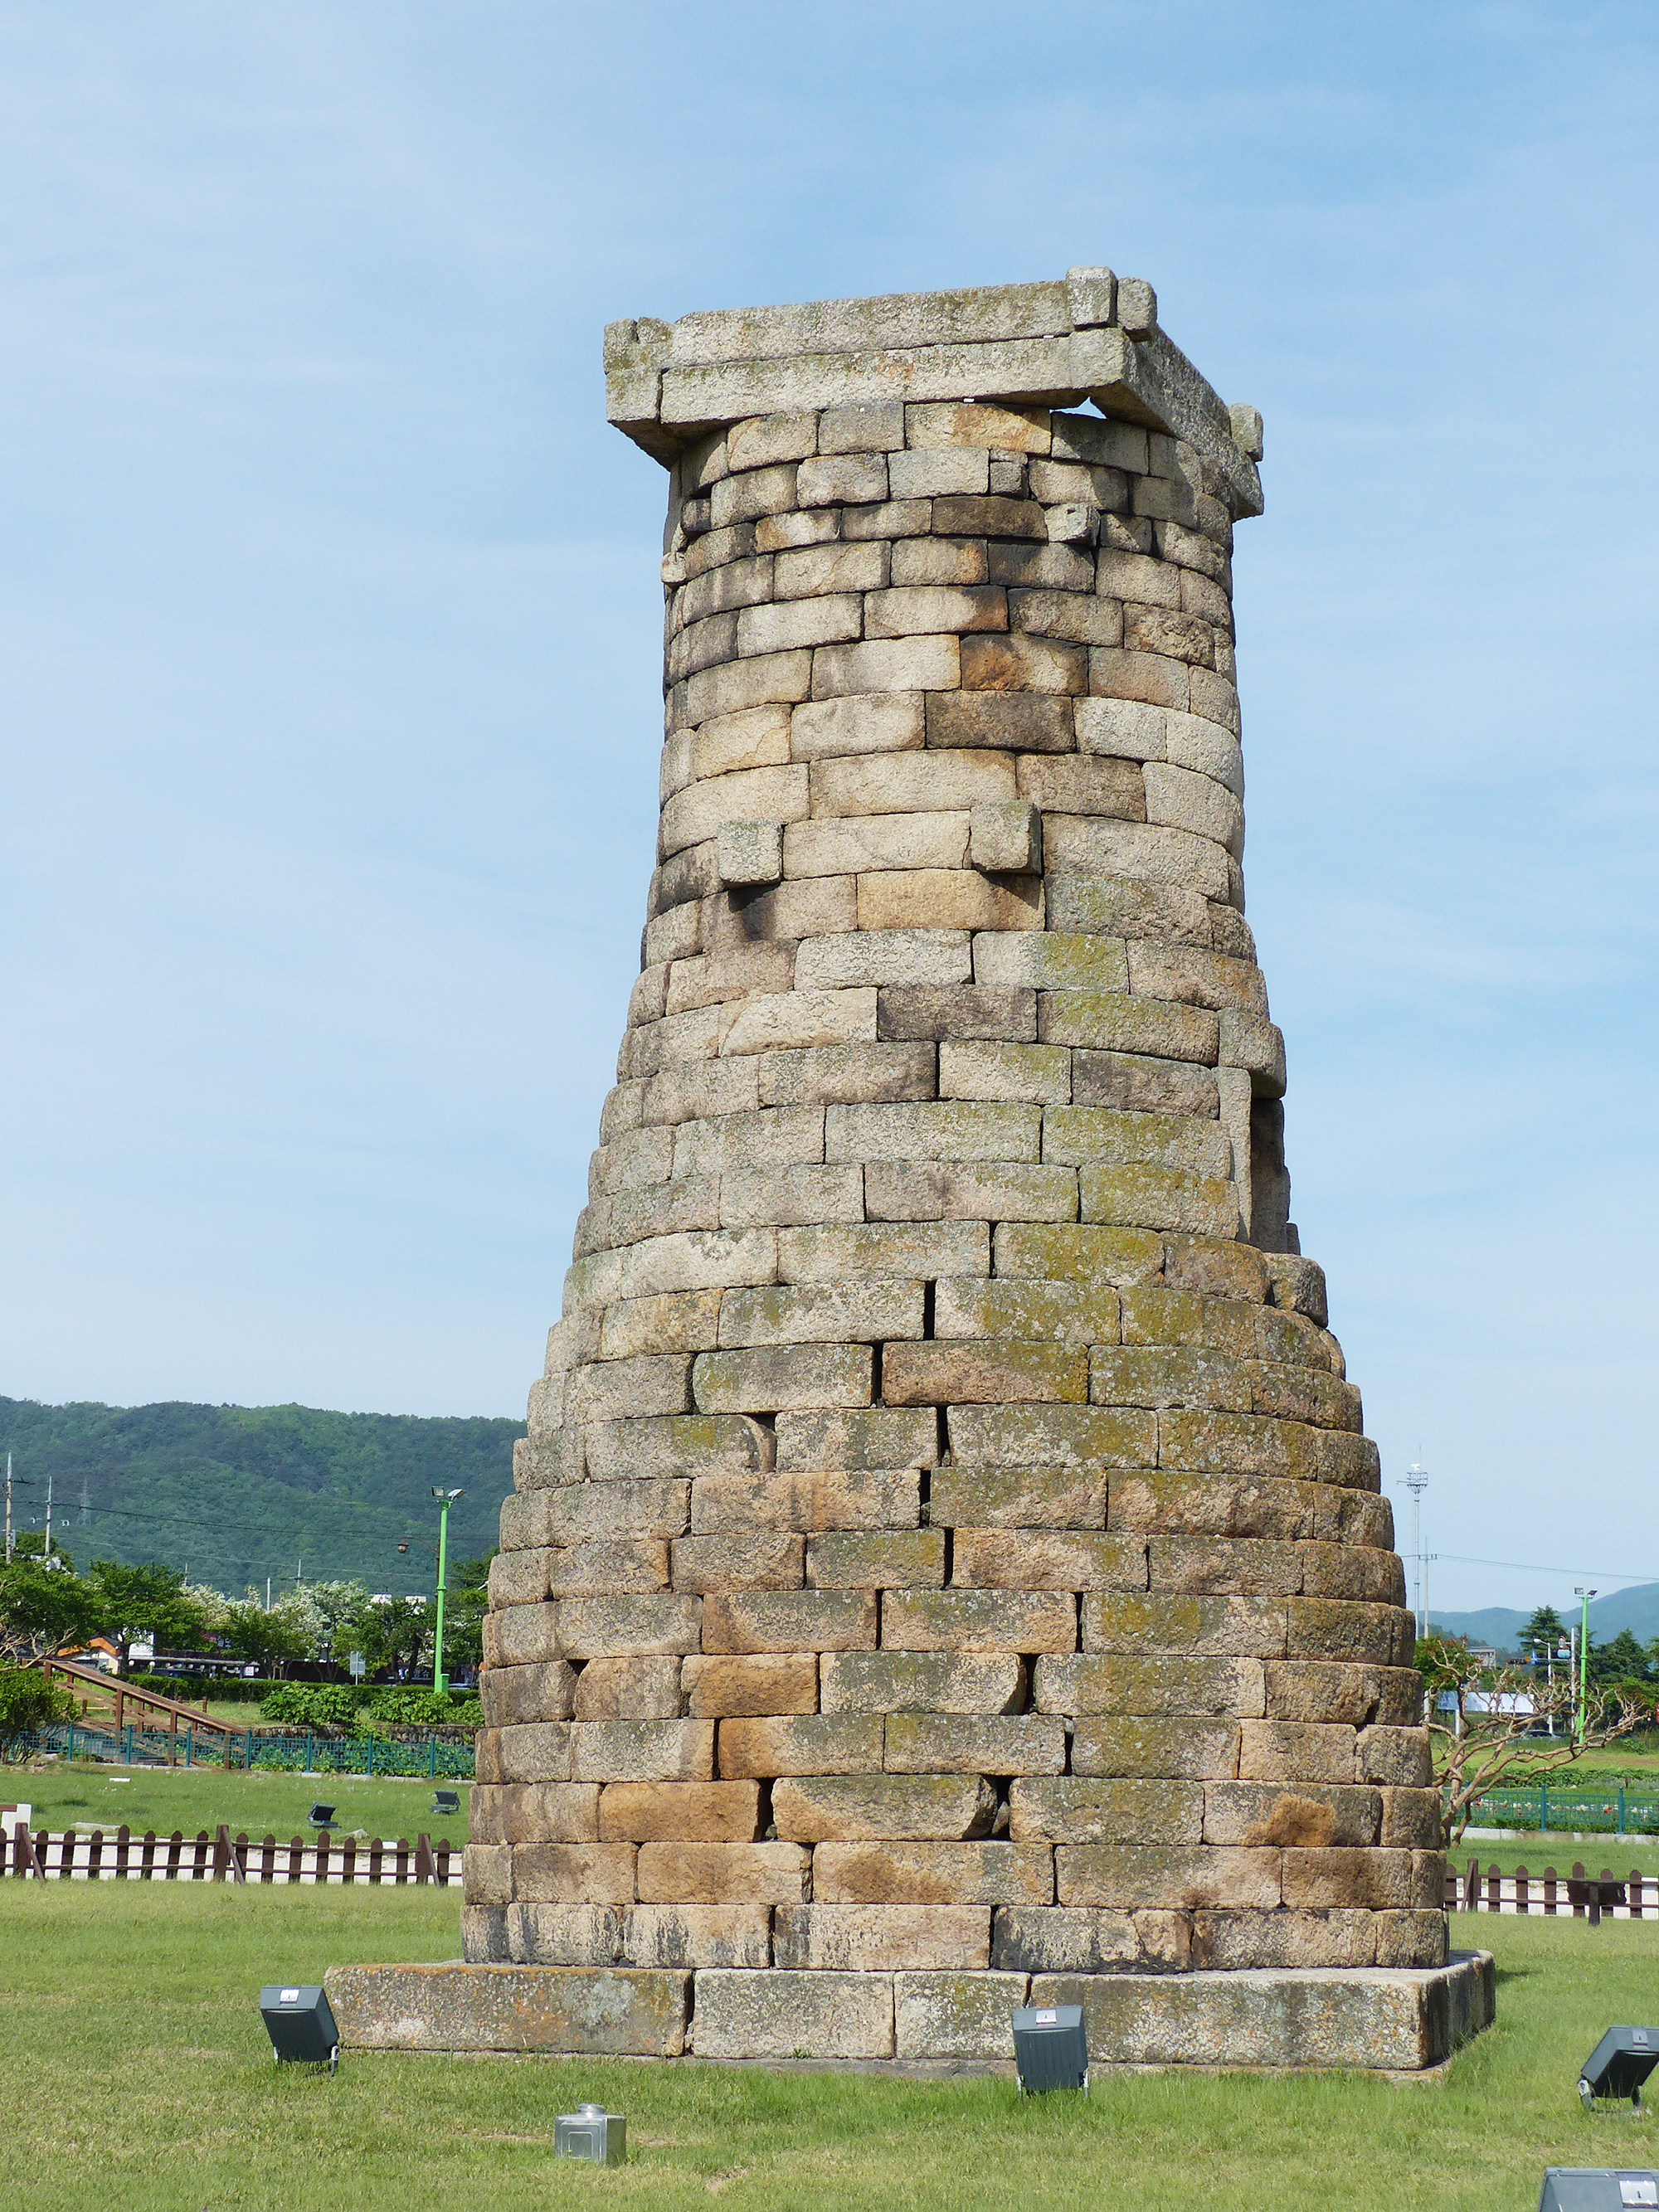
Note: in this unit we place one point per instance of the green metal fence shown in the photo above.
(431, 1754)
(1614, 1812)
(438, 1755)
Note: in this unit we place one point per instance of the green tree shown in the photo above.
(43, 1609)
(358, 1631)
(398, 1635)
(1546, 1629)
(268, 1640)
(147, 1601)
(28, 1703)
(463, 1614)
(1623, 1660)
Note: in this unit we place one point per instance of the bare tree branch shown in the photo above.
(1490, 1724)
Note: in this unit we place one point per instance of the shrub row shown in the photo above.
(328, 1704)
(230, 1690)
(346, 1706)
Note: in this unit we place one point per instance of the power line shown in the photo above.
(412, 1518)
(162, 1520)
(250, 1564)
(1532, 1567)
(232, 1528)
(172, 1521)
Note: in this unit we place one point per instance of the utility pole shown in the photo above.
(1416, 1481)
(1584, 1597)
(445, 1499)
(8, 1508)
(48, 1516)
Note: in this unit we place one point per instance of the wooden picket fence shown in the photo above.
(1634, 1896)
(82, 1855)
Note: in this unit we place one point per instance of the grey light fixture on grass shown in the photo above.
(1618, 2065)
(1597, 2188)
(591, 2133)
(300, 2024)
(1051, 2048)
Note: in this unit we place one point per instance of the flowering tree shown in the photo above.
(268, 1639)
(343, 1612)
(1484, 1722)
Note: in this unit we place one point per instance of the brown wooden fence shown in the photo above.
(83, 1855)
(1634, 1896)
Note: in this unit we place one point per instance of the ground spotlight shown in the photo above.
(299, 2025)
(1618, 2065)
(1051, 2048)
(591, 2133)
(1597, 2189)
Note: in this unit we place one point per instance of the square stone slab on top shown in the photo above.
(1083, 337)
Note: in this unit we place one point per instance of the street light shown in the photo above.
(1584, 1597)
(1547, 1648)
(1416, 1481)
(445, 1499)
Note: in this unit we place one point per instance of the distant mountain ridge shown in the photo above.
(238, 1493)
(1636, 1609)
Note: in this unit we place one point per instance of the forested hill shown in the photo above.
(236, 1493)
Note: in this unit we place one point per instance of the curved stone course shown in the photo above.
(946, 1541)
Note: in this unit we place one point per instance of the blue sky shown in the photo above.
(329, 633)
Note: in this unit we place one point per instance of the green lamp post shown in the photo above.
(445, 1499)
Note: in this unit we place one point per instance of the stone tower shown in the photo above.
(945, 1565)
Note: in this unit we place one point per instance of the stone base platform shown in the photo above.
(1395, 2019)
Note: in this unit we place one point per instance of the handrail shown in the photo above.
(117, 1685)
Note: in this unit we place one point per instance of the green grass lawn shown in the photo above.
(165, 1798)
(1639, 1761)
(134, 2071)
